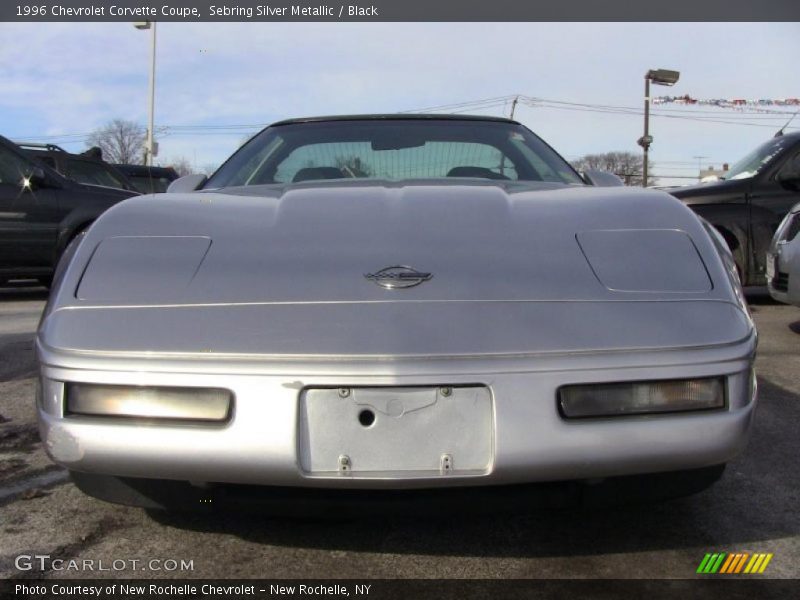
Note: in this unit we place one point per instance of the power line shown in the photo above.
(533, 100)
(739, 118)
(742, 117)
(658, 115)
(460, 104)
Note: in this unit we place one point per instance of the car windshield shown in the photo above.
(393, 149)
(92, 172)
(751, 164)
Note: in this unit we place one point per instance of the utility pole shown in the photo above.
(699, 160)
(151, 113)
(503, 159)
(150, 147)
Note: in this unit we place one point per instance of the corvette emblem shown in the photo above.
(398, 277)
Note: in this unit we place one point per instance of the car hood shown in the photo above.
(285, 270)
(320, 244)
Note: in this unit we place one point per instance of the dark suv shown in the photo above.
(87, 167)
(147, 179)
(747, 206)
(40, 212)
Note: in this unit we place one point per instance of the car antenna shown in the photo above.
(780, 131)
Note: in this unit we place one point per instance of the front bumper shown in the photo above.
(261, 444)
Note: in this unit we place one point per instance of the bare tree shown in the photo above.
(625, 165)
(121, 141)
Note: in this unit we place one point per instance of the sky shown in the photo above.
(63, 80)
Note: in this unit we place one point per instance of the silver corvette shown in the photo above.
(393, 304)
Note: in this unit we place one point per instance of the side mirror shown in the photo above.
(187, 183)
(601, 178)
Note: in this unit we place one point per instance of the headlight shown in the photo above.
(615, 399)
(197, 404)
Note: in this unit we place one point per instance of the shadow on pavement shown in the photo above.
(759, 296)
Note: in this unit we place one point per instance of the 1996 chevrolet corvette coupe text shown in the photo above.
(367, 307)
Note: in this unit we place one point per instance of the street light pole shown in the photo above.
(646, 138)
(151, 115)
(150, 147)
(659, 77)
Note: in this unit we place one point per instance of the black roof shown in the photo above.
(52, 150)
(145, 170)
(395, 117)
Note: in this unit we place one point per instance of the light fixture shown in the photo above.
(641, 397)
(151, 402)
(659, 77)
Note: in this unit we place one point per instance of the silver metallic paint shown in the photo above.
(279, 305)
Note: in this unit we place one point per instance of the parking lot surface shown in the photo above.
(753, 508)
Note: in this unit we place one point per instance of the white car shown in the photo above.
(783, 260)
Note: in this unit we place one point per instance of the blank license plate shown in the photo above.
(408, 431)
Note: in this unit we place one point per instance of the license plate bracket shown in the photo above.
(402, 431)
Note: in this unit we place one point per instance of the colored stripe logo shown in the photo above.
(733, 563)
